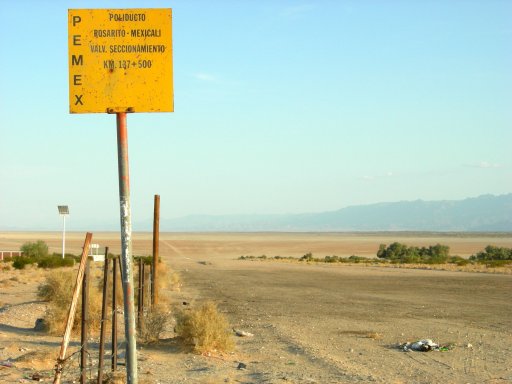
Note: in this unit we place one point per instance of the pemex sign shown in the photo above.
(120, 60)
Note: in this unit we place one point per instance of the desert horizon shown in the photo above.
(234, 244)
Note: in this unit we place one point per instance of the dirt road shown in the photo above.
(328, 324)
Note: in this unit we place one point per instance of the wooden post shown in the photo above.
(156, 241)
(72, 309)
(85, 323)
(103, 317)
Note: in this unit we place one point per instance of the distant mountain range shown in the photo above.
(486, 213)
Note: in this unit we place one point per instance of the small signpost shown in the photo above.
(120, 61)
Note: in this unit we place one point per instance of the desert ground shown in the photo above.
(312, 323)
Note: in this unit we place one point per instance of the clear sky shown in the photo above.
(280, 107)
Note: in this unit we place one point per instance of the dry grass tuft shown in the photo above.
(205, 328)
(175, 281)
(374, 336)
(57, 290)
(119, 377)
(155, 322)
(366, 334)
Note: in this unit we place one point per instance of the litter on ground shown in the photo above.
(426, 345)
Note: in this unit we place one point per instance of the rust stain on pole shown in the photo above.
(156, 247)
(126, 248)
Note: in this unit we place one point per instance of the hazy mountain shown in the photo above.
(486, 213)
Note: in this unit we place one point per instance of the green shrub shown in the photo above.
(460, 261)
(148, 260)
(401, 253)
(359, 259)
(307, 257)
(21, 261)
(284, 258)
(37, 249)
(492, 252)
(55, 261)
(496, 263)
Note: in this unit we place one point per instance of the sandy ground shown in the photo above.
(311, 323)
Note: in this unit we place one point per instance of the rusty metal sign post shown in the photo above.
(120, 61)
(126, 248)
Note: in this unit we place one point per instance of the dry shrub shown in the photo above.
(367, 334)
(205, 328)
(119, 377)
(175, 281)
(167, 279)
(155, 322)
(374, 335)
(57, 290)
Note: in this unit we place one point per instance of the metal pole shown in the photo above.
(142, 292)
(156, 240)
(103, 318)
(140, 300)
(114, 314)
(150, 286)
(126, 248)
(85, 323)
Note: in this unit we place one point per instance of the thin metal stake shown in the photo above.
(126, 249)
(140, 300)
(156, 246)
(114, 314)
(143, 293)
(85, 323)
(103, 317)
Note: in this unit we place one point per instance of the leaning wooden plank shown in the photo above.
(72, 309)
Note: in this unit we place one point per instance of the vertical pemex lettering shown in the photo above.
(77, 79)
(76, 19)
(77, 60)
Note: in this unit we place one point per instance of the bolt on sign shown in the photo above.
(120, 60)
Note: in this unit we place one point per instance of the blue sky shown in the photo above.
(280, 107)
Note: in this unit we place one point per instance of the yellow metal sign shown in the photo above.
(120, 60)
